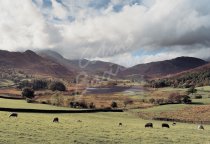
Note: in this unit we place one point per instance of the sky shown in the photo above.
(127, 32)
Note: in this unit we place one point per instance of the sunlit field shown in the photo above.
(7, 103)
(94, 128)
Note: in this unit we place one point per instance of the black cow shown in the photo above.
(14, 115)
(174, 124)
(56, 120)
(120, 124)
(149, 125)
(164, 125)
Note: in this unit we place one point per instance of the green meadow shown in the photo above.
(103, 128)
(29, 128)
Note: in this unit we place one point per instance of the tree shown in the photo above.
(175, 98)
(152, 100)
(24, 84)
(192, 90)
(114, 104)
(28, 93)
(39, 84)
(186, 99)
(57, 86)
(92, 105)
(57, 99)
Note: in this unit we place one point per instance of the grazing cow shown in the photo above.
(174, 124)
(200, 127)
(120, 124)
(56, 120)
(164, 125)
(79, 121)
(149, 125)
(14, 115)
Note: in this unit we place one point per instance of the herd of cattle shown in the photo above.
(148, 125)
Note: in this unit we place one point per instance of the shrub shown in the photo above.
(57, 86)
(28, 100)
(57, 99)
(152, 100)
(159, 101)
(186, 99)
(128, 101)
(83, 104)
(191, 90)
(28, 93)
(80, 104)
(71, 104)
(198, 97)
(114, 104)
(92, 105)
(174, 98)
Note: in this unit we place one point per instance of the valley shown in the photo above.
(180, 95)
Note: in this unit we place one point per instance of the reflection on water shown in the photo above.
(115, 89)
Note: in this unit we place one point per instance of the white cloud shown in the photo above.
(58, 10)
(21, 26)
(105, 33)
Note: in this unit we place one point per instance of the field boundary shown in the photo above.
(11, 97)
(58, 111)
(181, 121)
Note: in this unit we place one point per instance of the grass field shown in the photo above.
(100, 128)
(7, 103)
(5, 83)
(103, 128)
(94, 128)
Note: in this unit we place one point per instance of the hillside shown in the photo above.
(31, 63)
(90, 67)
(199, 76)
(164, 67)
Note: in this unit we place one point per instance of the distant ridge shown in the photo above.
(32, 63)
(166, 67)
(90, 67)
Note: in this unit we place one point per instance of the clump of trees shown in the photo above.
(39, 84)
(191, 90)
(174, 98)
(42, 84)
(82, 104)
(57, 86)
(28, 93)
(28, 88)
(186, 80)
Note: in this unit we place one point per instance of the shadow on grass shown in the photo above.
(196, 103)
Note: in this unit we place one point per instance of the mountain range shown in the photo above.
(162, 68)
(51, 63)
(83, 65)
(32, 63)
